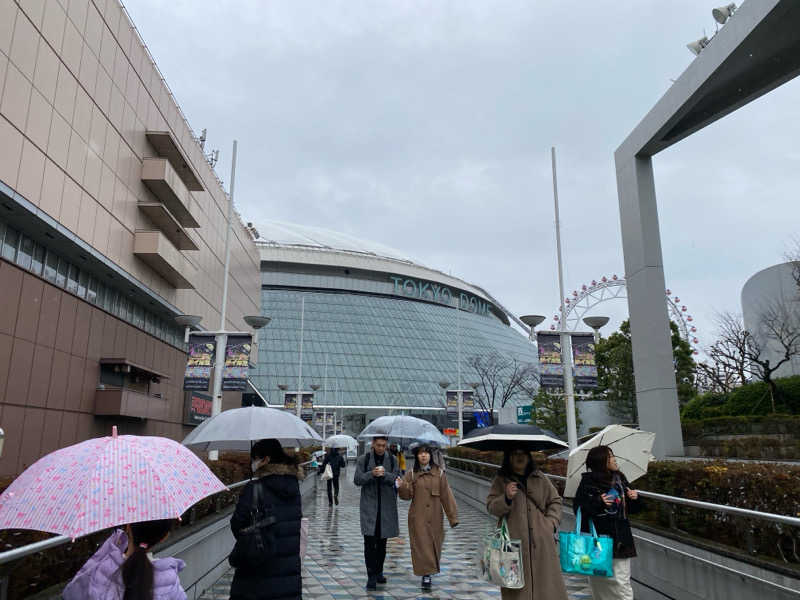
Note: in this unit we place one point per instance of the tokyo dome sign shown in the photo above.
(441, 294)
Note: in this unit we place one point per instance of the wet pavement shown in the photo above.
(334, 564)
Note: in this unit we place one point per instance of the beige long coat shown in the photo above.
(533, 518)
(430, 496)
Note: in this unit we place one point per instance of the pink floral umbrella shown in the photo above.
(106, 482)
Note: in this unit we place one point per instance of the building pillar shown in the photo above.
(656, 390)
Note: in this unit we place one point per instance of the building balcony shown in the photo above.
(166, 146)
(123, 402)
(168, 224)
(159, 176)
(156, 250)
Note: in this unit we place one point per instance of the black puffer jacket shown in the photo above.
(279, 576)
(336, 461)
(589, 499)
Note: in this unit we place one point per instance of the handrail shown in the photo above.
(723, 508)
(28, 549)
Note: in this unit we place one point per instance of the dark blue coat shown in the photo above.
(279, 575)
(336, 461)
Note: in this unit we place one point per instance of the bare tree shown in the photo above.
(501, 379)
(739, 353)
(793, 258)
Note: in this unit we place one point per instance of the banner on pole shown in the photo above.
(452, 404)
(551, 368)
(197, 376)
(237, 361)
(198, 408)
(583, 357)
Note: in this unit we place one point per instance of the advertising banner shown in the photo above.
(237, 360)
(551, 369)
(524, 414)
(584, 360)
(198, 408)
(290, 402)
(199, 364)
(452, 404)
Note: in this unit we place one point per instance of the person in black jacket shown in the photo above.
(605, 497)
(335, 459)
(277, 576)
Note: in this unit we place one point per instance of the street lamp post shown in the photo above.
(596, 323)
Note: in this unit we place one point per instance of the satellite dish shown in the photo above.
(722, 13)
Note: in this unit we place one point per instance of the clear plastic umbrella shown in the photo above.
(404, 430)
(239, 428)
(341, 441)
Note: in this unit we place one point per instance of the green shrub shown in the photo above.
(697, 407)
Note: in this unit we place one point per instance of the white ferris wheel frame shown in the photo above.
(582, 301)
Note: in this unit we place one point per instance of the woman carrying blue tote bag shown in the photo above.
(586, 553)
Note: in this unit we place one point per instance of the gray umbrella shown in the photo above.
(238, 428)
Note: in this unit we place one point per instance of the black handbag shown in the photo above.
(255, 542)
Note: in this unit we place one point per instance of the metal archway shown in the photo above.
(582, 301)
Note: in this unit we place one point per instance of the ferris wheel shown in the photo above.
(582, 301)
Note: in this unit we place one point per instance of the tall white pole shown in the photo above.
(460, 395)
(221, 337)
(324, 403)
(300, 364)
(566, 347)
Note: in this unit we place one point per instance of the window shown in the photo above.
(51, 267)
(10, 244)
(61, 274)
(91, 291)
(83, 283)
(38, 259)
(72, 279)
(25, 252)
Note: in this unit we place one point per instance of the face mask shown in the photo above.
(256, 464)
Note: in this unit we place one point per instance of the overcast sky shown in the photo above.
(427, 126)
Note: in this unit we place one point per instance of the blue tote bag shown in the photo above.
(586, 553)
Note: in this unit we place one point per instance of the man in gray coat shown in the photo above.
(377, 473)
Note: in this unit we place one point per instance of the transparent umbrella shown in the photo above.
(341, 441)
(239, 428)
(404, 430)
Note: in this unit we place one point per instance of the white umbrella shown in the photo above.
(404, 430)
(341, 441)
(633, 449)
(238, 428)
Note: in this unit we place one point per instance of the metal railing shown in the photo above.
(722, 508)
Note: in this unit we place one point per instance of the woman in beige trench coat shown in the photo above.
(430, 494)
(531, 505)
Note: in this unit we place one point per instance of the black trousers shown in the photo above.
(374, 554)
(335, 484)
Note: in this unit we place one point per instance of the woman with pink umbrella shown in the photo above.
(141, 483)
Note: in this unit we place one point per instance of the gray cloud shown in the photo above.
(426, 126)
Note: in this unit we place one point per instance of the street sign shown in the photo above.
(450, 431)
(523, 414)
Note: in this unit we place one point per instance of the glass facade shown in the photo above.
(42, 262)
(381, 350)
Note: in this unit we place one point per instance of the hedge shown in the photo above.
(750, 399)
(771, 488)
(36, 572)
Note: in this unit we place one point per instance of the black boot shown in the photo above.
(336, 499)
(371, 584)
(380, 578)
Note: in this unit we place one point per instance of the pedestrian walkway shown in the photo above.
(334, 564)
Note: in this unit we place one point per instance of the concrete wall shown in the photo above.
(666, 569)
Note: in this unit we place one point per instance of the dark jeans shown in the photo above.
(374, 554)
(335, 484)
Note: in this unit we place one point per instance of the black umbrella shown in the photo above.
(509, 436)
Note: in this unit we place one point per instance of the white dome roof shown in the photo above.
(290, 234)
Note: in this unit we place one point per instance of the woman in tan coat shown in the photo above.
(430, 494)
(531, 505)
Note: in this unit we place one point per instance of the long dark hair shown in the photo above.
(597, 463)
(507, 471)
(137, 570)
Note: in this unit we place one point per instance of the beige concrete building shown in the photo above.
(111, 223)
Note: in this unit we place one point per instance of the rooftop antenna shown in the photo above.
(202, 139)
(213, 158)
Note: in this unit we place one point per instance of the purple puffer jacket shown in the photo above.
(101, 576)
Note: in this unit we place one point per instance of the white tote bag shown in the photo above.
(328, 473)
